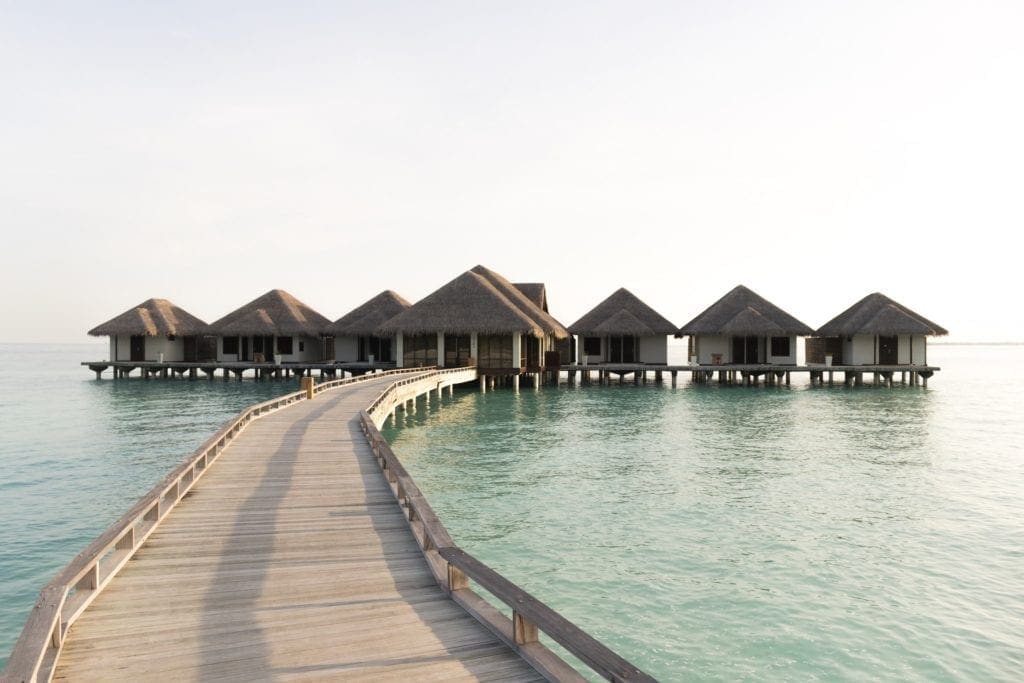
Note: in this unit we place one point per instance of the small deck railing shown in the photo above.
(453, 568)
(64, 599)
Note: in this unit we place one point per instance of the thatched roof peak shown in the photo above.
(535, 292)
(479, 300)
(287, 317)
(521, 301)
(366, 318)
(153, 318)
(743, 312)
(878, 314)
(623, 313)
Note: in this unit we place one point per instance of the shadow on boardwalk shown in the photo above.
(241, 589)
(376, 611)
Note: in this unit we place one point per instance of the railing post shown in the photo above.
(525, 631)
(91, 580)
(456, 578)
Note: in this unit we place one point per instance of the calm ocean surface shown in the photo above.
(706, 532)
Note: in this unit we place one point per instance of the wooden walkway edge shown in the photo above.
(290, 560)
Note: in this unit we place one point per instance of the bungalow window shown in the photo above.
(780, 346)
(419, 350)
(456, 350)
(494, 351)
(378, 347)
(591, 346)
(622, 349)
(284, 345)
(231, 346)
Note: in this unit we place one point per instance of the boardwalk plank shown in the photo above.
(289, 560)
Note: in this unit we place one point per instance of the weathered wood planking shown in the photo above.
(288, 560)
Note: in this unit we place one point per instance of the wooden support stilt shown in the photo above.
(515, 383)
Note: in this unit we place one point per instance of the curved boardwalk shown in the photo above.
(289, 560)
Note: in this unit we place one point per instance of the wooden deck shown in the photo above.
(288, 560)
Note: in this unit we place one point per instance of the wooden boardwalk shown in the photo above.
(288, 560)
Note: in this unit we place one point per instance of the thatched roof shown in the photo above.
(750, 322)
(364, 320)
(474, 302)
(743, 312)
(523, 302)
(275, 313)
(254, 323)
(154, 318)
(535, 292)
(878, 314)
(623, 313)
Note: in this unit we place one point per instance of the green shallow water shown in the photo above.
(724, 533)
(705, 532)
(75, 454)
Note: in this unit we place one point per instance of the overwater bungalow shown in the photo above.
(274, 328)
(744, 328)
(355, 333)
(479, 317)
(155, 330)
(874, 331)
(622, 329)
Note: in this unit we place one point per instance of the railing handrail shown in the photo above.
(529, 613)
(46, 624)
(42, 637)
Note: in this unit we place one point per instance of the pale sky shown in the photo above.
(813, 151)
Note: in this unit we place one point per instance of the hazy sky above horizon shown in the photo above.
(814, 151)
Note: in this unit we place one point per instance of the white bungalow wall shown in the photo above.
(861, 350)
(304, 350)
(517, 350)
(920, 346)
(346, 349)
(911, 349)
(653, 350)
(708, 345)
(227, 357)
(171, 350)
(121, 348)
(781, 360)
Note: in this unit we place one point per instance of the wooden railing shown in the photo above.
(453, 568)
(64, 599)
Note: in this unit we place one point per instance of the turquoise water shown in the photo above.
(707, 532)
(75, 454)
(730, 533)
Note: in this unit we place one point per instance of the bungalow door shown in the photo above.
(888, 350)
(384, 350)
(629, 350)
(191, 348)
(138, 347)
(744, 350)
(245, 349)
